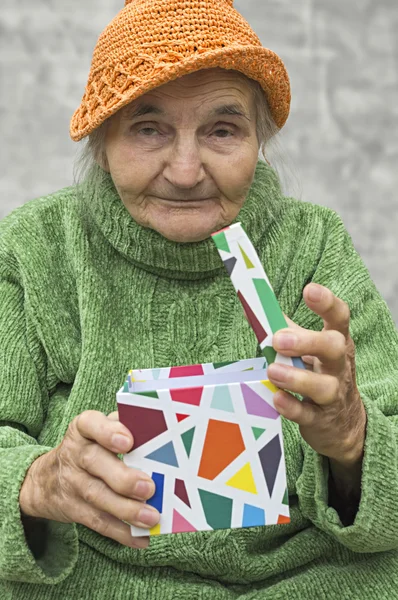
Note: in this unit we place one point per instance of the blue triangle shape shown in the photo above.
(166, 454)
(222, 398)
(253, 516)
(156, 373)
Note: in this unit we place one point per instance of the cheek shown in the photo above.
(130, 172)
(235, 176)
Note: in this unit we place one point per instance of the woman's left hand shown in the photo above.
(332, 417)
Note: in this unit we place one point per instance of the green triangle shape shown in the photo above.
(223, 364)
(217, 509)
(147, 394)
(125, 387)
(286, 498)
(187, 438)
(269, 353)
(270, 305)
(221, 241)
(222, 398)
(257, 431)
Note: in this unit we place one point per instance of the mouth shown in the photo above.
(190, 203)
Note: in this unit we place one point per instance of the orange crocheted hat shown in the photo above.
(152, 42)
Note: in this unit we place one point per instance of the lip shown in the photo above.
(197, 202)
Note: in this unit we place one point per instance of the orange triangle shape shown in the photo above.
(282, 519)
(181, 417)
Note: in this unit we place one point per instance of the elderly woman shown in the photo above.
(120, 271)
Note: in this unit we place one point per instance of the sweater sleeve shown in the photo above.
(375, 527)
(31, 550)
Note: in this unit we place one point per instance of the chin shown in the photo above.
(184, 236)
(183, 233)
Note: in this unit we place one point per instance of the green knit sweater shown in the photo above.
(85, 295)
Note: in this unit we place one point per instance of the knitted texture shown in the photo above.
(86, 294)
(152, 42)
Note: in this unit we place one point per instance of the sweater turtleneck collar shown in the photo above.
(151, 251)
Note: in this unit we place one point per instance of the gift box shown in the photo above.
(211, 439)
(209, 434)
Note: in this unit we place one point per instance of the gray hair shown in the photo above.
(93, 153)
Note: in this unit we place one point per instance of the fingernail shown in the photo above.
(285, 341)
(121, 442)
(315, 293)
(148, 517)
(144, 488)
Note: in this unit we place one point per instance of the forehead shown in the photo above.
(206, 91)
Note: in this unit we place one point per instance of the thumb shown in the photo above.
(114, 416)
(291, 323)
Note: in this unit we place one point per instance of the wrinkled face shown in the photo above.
(183, 156)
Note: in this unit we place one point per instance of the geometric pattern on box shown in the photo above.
(222, 465)
(253, 289)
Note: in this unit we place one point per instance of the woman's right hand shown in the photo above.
(83, 481)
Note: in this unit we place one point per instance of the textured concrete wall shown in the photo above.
(341, 138)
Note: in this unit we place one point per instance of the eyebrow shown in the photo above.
(141, 111)
(230, 109)
(150, 109)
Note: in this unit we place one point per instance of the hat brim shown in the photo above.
(258, 63)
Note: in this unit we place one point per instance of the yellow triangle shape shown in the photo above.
(272, 388)
(134, 379)
(243, 480)
(247, 260)
(155, 530)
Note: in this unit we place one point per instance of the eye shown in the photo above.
(222, 132)
(148, 131)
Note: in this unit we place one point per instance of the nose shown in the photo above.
(184, 167)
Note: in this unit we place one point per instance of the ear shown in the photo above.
(102, 161)
(99, 139)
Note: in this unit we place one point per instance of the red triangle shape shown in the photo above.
(191, 395)
(180, 524)
(186, 371)
(181, 491)
(258, 329)
(181, 417)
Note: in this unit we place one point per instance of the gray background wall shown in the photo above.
(342, 135)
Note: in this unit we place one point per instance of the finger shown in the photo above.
(108, 526)
(321, 388)
(123, 480)
(334, 311)
(98, 495)
(304, 414)
(95, 426)
(308, 360)
(114, 416)
(291, 324)
(330, 347)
